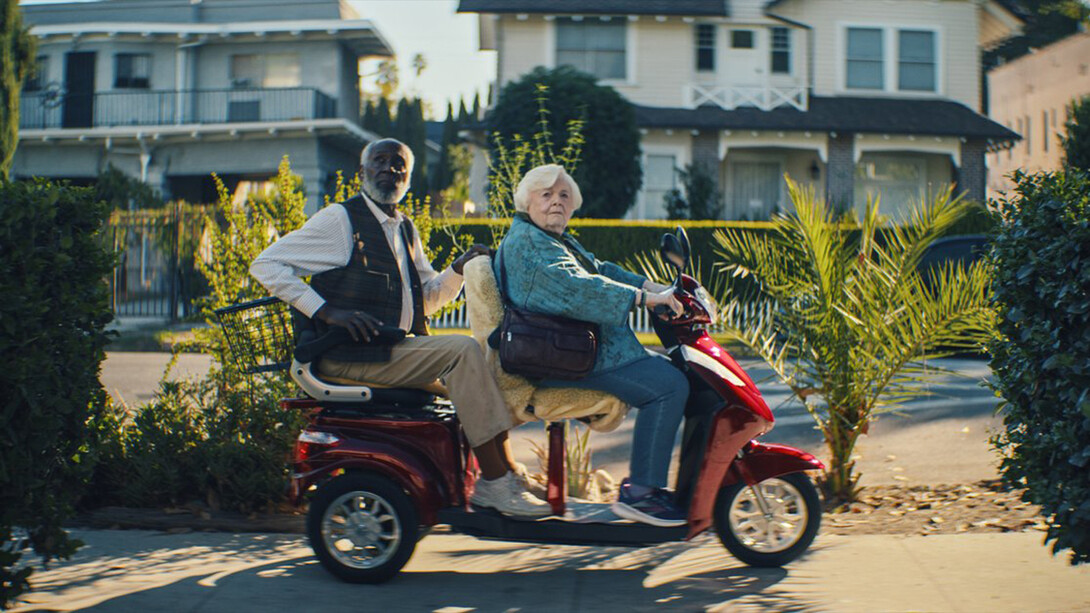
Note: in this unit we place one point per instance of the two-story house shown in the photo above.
(854, 97)
(171, 91)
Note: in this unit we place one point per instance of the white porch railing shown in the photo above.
(730, 97)
(456, 318)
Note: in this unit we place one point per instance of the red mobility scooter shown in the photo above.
(381, 466)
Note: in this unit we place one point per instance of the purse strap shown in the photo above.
(503, 277)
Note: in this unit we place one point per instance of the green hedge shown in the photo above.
(621, 241)
(1042, 363)
(52, 321)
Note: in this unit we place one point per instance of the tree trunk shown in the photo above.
(16, 57)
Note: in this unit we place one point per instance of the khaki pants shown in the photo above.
(456, 360)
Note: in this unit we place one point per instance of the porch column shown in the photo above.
(972, 177)
(840, 171)
(706, 154)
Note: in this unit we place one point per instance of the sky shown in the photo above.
(448, 42)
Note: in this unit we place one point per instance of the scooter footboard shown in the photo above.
(762, 461)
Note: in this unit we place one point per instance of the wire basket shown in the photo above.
(259, 334)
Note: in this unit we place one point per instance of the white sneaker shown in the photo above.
(509, 497)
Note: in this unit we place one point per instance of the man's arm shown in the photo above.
(323, 243)
(437, 288)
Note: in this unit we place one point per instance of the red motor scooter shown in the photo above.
(382, 466)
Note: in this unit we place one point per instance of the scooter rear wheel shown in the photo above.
(792, 522)
(362, 527)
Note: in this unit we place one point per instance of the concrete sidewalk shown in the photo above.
(205, 572)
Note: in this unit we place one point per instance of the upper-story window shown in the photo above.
(593, 46)
(781, 50)
(865, 58)
(916, 60)
(37, 80)
(883, 58)
(741, 39)
(705, 47)
(132, 71)
(272, 70)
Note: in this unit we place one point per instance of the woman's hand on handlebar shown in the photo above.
(359, 323)
(664, 303)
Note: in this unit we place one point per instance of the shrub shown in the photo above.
(699, 197)
(609, 174)
(1042, 361)
(1076, 138)
(52, 321)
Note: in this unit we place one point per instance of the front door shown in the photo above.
(79, 85)
(755, 189)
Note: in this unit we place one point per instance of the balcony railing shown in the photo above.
(731, 97)
(58, 109)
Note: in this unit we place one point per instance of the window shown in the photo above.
(273, 70)
(1028, 136)
(37, 80)
(705, 47)
(865, 59)
(916, 57)
(1044, 132)
(899, 181)
(781, 50)
(659, 179)
(132, 71)
(741, 39)
(594, 47)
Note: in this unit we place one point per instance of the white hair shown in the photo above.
(541, 178)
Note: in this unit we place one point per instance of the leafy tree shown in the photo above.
(1076, 140)
(16, 63)
(843, 316)
(52, 330)
(610, 174)
(700, 198)
(123, 192)
(1041, 360)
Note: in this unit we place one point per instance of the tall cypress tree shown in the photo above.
(415, 135)
(443, 175)
(476, 107)
(16, 62)
(384, 124)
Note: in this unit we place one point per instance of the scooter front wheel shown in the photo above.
(773, 535)
(363, 528)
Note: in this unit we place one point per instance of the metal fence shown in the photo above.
(156, 275)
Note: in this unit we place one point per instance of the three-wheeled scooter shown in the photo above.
(381, 466)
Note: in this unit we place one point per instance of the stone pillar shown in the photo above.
(840, 171)
(706, 157)
(972, 177)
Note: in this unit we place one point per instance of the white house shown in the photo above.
(852, 96)
(171, 91)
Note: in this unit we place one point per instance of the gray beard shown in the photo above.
(383, 196)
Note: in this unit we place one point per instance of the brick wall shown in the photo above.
(706, 153)
(840, 171)
(972, 177)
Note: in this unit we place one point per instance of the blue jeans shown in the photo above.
(659, 391)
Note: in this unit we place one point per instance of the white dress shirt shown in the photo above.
(325, 242)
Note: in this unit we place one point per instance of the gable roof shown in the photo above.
(838, 114)
(702, 8)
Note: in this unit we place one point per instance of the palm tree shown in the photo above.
(842, 313)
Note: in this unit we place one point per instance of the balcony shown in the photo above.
(730, 97)
(55, 108)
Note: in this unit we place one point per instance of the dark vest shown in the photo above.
(370, 282)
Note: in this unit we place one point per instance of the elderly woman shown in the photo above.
(548, 271)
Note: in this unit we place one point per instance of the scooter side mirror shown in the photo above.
(683, 239)
(672, 252)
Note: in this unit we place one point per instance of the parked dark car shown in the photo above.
(965, 250)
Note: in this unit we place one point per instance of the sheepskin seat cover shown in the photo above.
(602, 411)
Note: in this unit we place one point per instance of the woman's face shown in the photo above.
(551, 208)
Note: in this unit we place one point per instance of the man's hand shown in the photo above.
(359, 324)
(471, 253)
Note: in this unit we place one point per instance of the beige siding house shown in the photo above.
(170, 91)
(1030, 95)
(850, 96)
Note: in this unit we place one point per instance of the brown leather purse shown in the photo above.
(542, 346)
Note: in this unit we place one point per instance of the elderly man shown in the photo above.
(369, 270)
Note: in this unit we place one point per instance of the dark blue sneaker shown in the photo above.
(655, 507)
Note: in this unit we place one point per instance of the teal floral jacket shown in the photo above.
(545, 276)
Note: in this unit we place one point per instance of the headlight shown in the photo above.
(708, 303)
